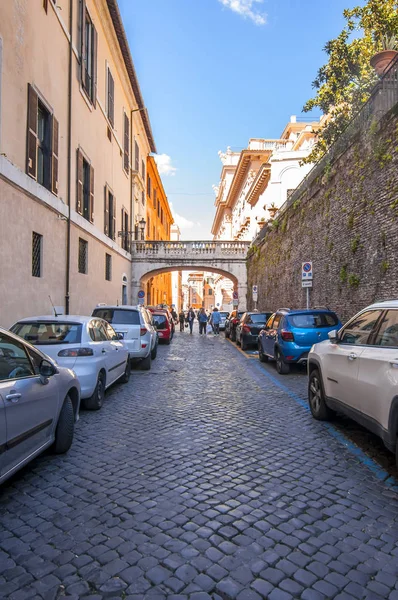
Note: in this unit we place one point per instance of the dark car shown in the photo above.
(289, 335)
(231, 323)
(249, 327)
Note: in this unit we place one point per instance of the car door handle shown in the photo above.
(103, 351)
(13, 397)
(352, 356)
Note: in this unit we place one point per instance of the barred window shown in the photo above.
(36, 254)
(83, 256)
(108, 267)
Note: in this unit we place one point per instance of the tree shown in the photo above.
(344, 83)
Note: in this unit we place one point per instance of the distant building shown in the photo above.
(195, 289)
(177, 296)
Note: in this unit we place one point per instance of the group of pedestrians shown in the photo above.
(204, 320)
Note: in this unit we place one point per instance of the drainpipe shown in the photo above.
(69, 163)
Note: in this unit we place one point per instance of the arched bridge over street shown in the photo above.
(228, 258)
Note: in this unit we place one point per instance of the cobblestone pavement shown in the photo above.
(199, 479)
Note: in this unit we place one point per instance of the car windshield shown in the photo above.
(224, 315)
(160, 321)
(50, 332)
(116, 316)
(260, 317)
(313, 320)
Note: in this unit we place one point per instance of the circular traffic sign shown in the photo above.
(307, 267)
(141, 294)
(235, 295)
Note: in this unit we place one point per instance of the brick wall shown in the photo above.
(346, 222)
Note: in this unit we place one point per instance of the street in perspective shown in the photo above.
(198, 350)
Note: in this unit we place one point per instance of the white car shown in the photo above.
(355, 372)
(89, 346)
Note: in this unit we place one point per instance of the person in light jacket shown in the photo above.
(215, 321)
(202, 318)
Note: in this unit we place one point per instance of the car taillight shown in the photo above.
(143, 331)
(287, 336)
(246, 329)
(73, 352)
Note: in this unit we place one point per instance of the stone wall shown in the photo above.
(346, 222)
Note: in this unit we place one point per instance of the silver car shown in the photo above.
(135, 326)
(39, 404)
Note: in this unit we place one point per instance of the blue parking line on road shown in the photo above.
(368, 462)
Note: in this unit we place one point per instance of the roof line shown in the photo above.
(128, 61)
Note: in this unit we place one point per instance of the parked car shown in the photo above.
(39, 404)
(249, 327)
(135, 325)
(231, 323)
(356, 372)
(224, 316)
(165, 311)
(88, 345)
(163, 325)
(289, 335)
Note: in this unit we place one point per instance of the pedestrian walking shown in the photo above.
(181, 319)
(215, 321)
(202, 318)
(190, 318)
(174, 315)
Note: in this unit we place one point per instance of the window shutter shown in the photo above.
(114, 219)
(124, 231)
(95, 52)
(31, 158)
(126, 142)
(83, 58)
(111, 99)
(79, 179)
(91, 207)
(106, 211)
(54, 162)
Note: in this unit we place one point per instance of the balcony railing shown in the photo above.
(261, 144)
(189, 249)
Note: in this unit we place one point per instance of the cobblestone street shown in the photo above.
(200, 479)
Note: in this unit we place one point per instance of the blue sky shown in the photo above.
(214, 77)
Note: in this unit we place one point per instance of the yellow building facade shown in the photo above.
(158, 223)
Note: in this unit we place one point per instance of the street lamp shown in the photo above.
(142, 224)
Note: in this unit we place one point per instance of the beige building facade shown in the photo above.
(74, 141)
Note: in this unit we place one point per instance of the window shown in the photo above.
(83, 256)
(387, 335)
(111, 99)
(109, 214)
(37, 241)
(126, 138)
(136, 156)
(149, 227)
(14, 362)
(125, 230)
(108, 267)
(143, 170)
(85, 187)
(149, 186)
(116, 316)
(97, 331)
(42, 143)
(313, 321)
(210, 292)
(88, 53)
(161, 215)
(143, 198)
(158, 208)
(154, 233)
(49, 332)
(155, 193)
(358, 330)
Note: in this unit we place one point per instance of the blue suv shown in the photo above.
(290, 334)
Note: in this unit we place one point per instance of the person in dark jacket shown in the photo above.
(190, 318)
(202, 318)
(181, 319)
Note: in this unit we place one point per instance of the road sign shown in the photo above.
(306, 284)
(141, 300)
(218, 304)
(141, 294)
(235, 302)
(235, 295)
(306, 271)
(255, 293)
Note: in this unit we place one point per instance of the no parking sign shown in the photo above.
(306, 271)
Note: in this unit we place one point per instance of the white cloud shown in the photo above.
(246, 8)
(165, 167)
(183, 223)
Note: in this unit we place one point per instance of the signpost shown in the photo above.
(255, 296)
(306, 279)
(235, 300)
(141, 297)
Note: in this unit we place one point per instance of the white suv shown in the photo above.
(134, 324)
(355, 372)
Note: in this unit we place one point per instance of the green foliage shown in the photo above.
(385, 265)
(344, 83)
(343, 274)
(350, 221)
(275, 224)
(355, 243)
(353, 280)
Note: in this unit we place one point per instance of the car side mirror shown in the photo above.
(46, 370)
(119, 336)
(333, 336)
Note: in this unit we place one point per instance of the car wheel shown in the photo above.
(316, 397)
(261, 356)
(127, 372)
(65, 428)
(233, 336)
(146, 363)
(154, 351)
(226, 334)
(281, 366)
(243, 344)
(96, 401)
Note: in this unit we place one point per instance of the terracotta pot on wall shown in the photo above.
(272, 211)
(381, 61)
(261, 224)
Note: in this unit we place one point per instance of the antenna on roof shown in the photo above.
(55, 312)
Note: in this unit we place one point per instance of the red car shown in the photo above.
(164, 325)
